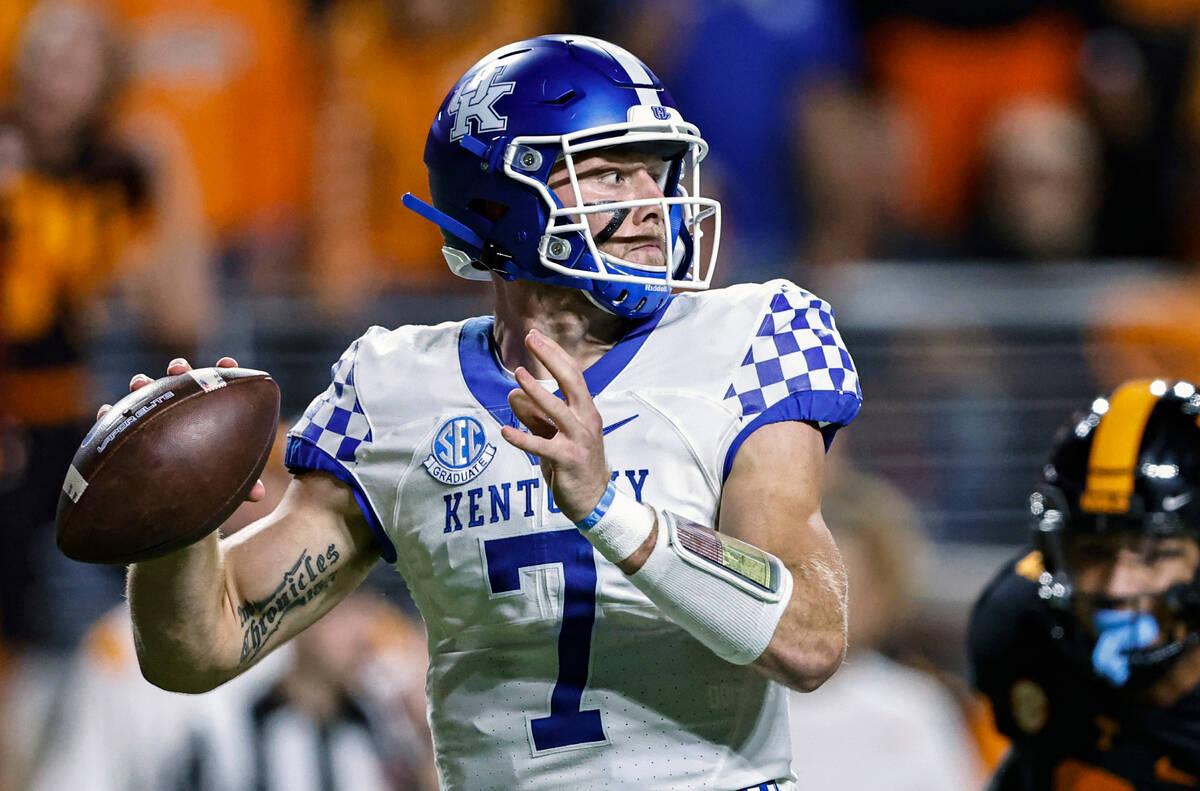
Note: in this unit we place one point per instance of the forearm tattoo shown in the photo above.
(301, 584)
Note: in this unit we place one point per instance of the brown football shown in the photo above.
(167, 465)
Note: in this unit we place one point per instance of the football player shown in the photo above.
(604, 497)
(1087, 647)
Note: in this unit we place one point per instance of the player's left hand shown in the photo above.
(181, 366)
(566, 434)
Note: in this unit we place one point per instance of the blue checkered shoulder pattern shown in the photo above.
(335, 421)
(796, 348)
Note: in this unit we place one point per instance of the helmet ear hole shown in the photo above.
(624, 295)
(488, 209)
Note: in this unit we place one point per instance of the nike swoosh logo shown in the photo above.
(1176, 502)
(614, 426)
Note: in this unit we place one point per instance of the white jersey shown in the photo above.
(548, 668)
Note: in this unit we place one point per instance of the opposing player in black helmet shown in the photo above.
(1087, 646)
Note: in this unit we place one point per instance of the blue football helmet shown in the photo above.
(535, 105)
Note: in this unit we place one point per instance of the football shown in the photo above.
(167, 465)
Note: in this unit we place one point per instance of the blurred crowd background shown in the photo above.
(1001, 198)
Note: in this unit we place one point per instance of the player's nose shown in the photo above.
(1127, 577)
(646, 187)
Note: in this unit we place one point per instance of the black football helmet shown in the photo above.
(1128, 468)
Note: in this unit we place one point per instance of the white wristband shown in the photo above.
(725, 593)
(618, 526)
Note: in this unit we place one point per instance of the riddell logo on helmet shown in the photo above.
(474, 101)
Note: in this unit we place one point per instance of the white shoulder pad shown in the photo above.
(795, 349)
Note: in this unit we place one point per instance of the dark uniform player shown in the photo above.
(1087, 646)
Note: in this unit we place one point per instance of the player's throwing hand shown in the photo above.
(181, 366)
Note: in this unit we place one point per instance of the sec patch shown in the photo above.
(460, 451)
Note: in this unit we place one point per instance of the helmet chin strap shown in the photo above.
(604, 294)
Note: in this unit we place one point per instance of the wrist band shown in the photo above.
(589, 521)
(622, 526)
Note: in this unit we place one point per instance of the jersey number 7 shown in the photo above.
(567, 725)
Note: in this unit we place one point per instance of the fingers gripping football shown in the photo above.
(178, 366)
(566, 434)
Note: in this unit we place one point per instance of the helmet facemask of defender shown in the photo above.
(1117, 523)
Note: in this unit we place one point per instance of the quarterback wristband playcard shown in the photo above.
(757, 572)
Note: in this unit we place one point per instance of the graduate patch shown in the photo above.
(460, 451)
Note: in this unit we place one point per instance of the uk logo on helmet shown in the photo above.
(460, 451)
(661, 113)
(475, 100)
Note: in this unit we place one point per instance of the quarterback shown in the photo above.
(604, 497)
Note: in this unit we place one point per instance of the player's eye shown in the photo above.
(1094, 556)
(1091, 554)
(1159, 554)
